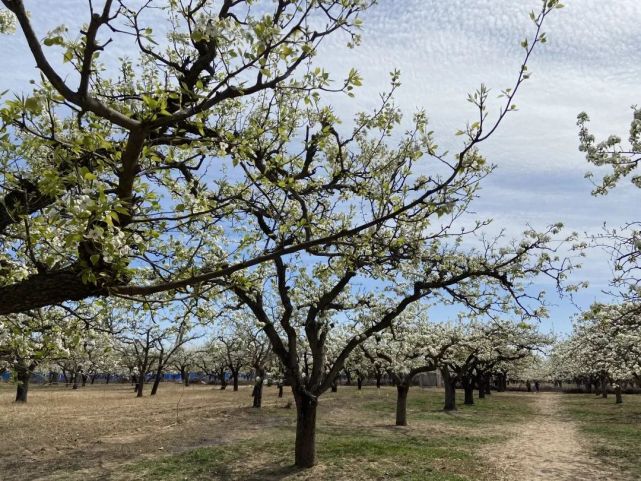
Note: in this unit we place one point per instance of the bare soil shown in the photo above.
(548, 447)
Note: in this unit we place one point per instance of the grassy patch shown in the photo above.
(503, 408)
(614, 430)
(357, 441)
(341, 456)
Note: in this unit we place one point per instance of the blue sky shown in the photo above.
(592, 62)
(445, 49)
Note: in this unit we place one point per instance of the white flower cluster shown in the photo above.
(7, 22)
(113, 241)
(11, 271)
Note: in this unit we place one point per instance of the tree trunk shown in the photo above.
(617, 391)
(140, 384)
(481, 387)
(359, 381)
(157, 378)
(604, 388)
(76, 376)
(84, 379)
(468, 386)
(23, 376)
(401, 404)
(108, 378)
(235, 375)
(378, 379)
(305, 451)
(93, 378)
(280, 390)
(334, 386)
(450, 390)
(184, 374)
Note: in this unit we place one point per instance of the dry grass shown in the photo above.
(200, 432)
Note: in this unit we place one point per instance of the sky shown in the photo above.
(445, 49)
(592, 63)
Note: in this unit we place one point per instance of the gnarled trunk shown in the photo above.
(401, 404)
(305, 450)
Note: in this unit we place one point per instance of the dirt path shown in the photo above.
(549, 448)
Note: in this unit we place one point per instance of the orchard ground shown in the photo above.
(200, 432)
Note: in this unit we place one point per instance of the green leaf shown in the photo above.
(56, 40)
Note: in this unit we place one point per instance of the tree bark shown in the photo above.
(280, 390)
(305, 450)
(235, 376)
(401, 404)
(604, 388)
(47, 288)
(468, 386)
(223, 380)
(184, 374)
(23, 376)
(157, 378)
(450, 390)
(334, 386)
(140, 384)
(617, 391)
(378, 379)
(359, 381)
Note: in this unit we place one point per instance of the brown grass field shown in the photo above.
(200, 432)
(104, 432)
